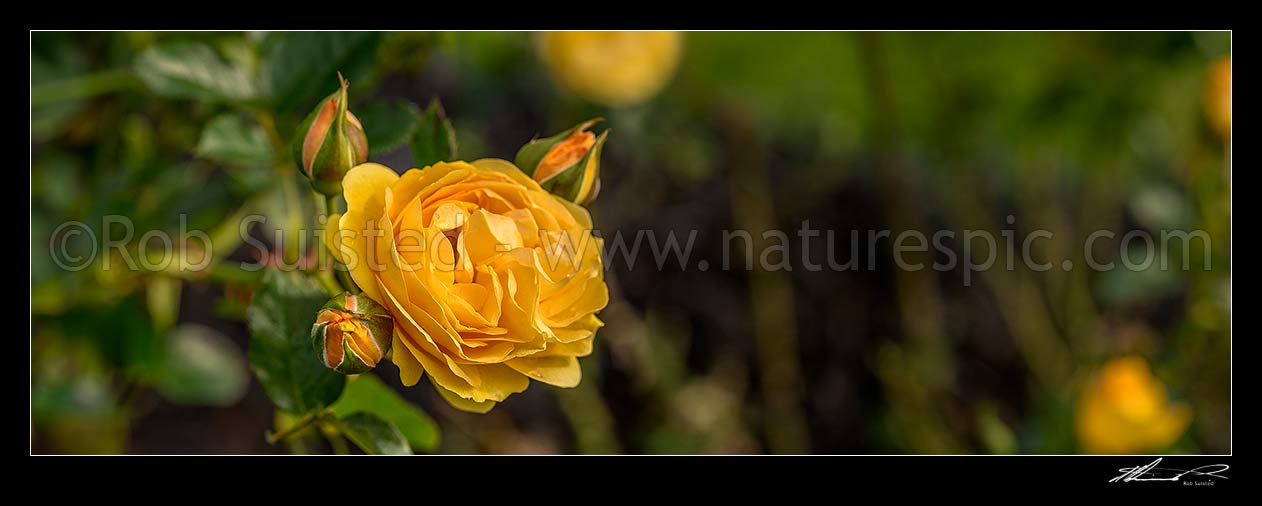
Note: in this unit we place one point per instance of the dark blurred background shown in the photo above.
(1066, 132)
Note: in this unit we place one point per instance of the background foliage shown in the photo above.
(1071, 132)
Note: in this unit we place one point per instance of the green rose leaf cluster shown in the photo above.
(360, 408)
(313, 355)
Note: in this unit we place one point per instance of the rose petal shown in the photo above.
(561, 371)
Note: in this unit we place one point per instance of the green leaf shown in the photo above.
(162, 295)
(300, 67)
(387, 124)
(433, 140)
(368, 394)
(230, 138)
(995, 435)
(54, 59)
(1123, 286)
(202, 367)
(193, 70)
(374, 435)
(74, 407)
(280, 318)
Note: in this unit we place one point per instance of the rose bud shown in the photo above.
(329, 142)
(566, 164)
(352, 333)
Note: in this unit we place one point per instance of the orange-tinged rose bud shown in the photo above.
(352, 334)
(564, 155)
(329, 143)
(566, 164)
(1125, 409)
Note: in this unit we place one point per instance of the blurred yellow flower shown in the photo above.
(1125, 409)
(611, 68)
(490, 279)
(1218, 97)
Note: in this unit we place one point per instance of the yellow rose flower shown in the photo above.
(611, 68)
(491, 280)
(1218, 97)
(1125, 409)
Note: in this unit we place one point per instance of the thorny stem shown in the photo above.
(330, 206)
(331, 284)
(343, 275)
(298, 426)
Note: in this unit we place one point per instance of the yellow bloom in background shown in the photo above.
(1218, 97)
(1125, 409)
(491, 280)
(612, 68)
